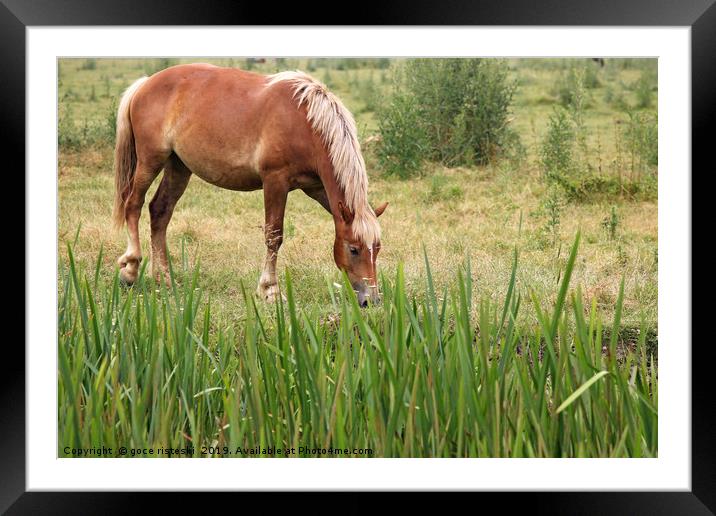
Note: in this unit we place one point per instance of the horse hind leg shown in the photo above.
(144, 175)
(161, 207)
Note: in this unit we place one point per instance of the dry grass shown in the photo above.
(499, 208)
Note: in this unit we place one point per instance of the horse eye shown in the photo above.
(354, 251)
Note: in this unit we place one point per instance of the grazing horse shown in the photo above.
(243, 131)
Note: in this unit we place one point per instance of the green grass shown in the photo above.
(442, 368)
(435, 375)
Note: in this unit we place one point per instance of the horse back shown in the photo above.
(227, 125)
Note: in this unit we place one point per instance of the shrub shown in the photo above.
(611, 222)
(591, 78)
(592, 187)
(643, 89)
(570, 87)
(404, 143)
(382, 63)
(75, 134)
(560, 166)
(552, 207)
(368, 92)
(66, 132)
(513, 149)
(327, 79)
(615, 98)
(457, 108)
(642, 139)
(89, 64)
(556, 156)
(107, 86)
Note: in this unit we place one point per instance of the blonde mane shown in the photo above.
(334, 123)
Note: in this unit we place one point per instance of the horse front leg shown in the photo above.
(275, 195)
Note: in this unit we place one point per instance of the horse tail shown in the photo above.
(125, 154)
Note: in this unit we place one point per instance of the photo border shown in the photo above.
(700, 16)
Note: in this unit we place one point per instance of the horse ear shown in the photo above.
(380, 209)
(346, 214)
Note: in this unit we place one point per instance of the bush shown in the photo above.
(556, 154)
(592, 187)
(611, 222)
(404, 142)
(552, 207)
(457, 109)
(327, 79)
(615, 98)
(368, 92)
(570, 88)
(642, 138)
(89, 64)
(591, 78)
(76, 134)
(560, 166)
(644, 87)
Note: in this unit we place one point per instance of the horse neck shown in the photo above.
(334, 192)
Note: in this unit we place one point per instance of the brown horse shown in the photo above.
(243, 131)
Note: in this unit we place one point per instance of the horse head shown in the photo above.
(357, 255)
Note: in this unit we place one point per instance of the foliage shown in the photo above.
(615, 98)
(73, 134)
(435, 376)
(565, 139)
(643, 89)
(641, 135)
(457, 108)
(611, 222)
(571, 87)
(556, 156)
(89, 64)
(552, 206)
(404, 143)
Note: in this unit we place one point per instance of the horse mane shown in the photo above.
(334, 123)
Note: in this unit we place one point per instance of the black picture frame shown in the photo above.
(700, 15)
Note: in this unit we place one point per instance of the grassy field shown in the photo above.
(479, 215)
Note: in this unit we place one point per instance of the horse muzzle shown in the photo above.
(366, 294)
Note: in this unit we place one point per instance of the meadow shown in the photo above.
(489, 295)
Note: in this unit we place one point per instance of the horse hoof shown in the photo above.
(270, 294)
(126, 279)
(271, 297)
